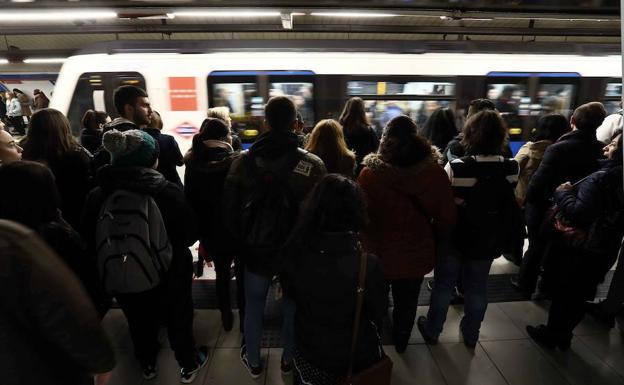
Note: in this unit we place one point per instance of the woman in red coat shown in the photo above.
(411, 212)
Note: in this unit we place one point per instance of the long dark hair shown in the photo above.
(211, 129)
(49, 136)
(484, 133)
(551, 127)
(28, 194)
(353, 117)
(401, 145)
(336, 204)
(92, 120)
(440, 127)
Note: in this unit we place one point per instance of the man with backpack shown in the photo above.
(263, 191)
(483, 184)
(140, 228)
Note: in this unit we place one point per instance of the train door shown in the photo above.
(94, 90)
(522, 98)
(389, 96)
(245, 93)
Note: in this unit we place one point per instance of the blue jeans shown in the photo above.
(474, 276)
(256, 289)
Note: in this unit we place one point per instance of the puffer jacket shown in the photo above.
(529, 158)
(402, 205)
(270, 152)
(49, 331)
(325, 313)
(204, 180)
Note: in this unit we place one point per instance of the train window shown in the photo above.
(612, 97)
(246, 106)
(380, 112)
(554, 98)
(400, 88)
(301, 95)
(95, 91)
(512, 101)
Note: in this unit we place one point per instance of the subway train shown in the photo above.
(182, 87)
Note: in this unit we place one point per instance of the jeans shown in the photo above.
(256, 290)
(405, 297)
(474, 275)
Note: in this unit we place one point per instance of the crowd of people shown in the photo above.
(326, 217)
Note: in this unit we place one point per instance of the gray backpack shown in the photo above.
(133, 249)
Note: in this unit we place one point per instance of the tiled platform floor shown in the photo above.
(505, 355)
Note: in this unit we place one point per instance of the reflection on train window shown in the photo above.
(400, 88)
(554, 98)
(246, 107)
(612, 106)
(512, 102)
(95, 91)
(380, 112)
(300, 94)
(613, 89)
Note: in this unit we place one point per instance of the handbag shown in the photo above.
(379, 373)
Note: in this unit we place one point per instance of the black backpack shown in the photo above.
(270, 211)
(488, 217)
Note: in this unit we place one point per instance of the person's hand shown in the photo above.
(102, 378)
(564, 186)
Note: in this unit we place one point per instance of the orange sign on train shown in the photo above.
(182, 94)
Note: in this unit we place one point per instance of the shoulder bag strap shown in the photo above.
(359, 302)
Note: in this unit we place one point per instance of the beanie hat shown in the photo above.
(131, 148)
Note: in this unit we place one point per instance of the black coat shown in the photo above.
(362, 141)
(91, 139)
(49, 331)
(322, 280)
(169, 157)
(204, 179)
(73, 173)
(177, 215)
(573, 157)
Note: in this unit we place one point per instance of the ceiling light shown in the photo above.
(56, 15)
(233, 14)
(353, 14)
(45, 60)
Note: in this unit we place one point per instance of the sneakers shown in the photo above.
(421, 323)
(286, 368)
(149, 372)
(254, 371)
(430, 284)
(187, 376)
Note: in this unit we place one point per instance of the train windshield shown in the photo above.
(94, 91)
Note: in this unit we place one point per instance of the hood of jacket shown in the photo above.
(120, 124)
(274, 144)
(90, 132)
(137, 179)
(218, 156)
(537, 149)
(402, 177)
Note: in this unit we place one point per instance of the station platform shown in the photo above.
(505, 354)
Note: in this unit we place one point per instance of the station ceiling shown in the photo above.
(587, 26)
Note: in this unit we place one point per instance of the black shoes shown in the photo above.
(600, 315)
(469, 343)
(544, 337)
(401, 339)
(227, 318)
(421, 323)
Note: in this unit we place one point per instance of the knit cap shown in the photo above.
(132, 148)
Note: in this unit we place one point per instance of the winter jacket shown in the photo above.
(169, 157)
(529, 158)
(73, 174)
(50, 332)
(325, 312)
(403, 203)
(102, 157)
(14, 108)
(25, 102)
(178, 217)
(204, 180)
(611, 123)
(598, 200)
(574, 156)
(270, 151)
(362, 141)
(40, 102)
(91, 139)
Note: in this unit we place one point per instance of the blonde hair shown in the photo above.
(222, 113)
(328, 142)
